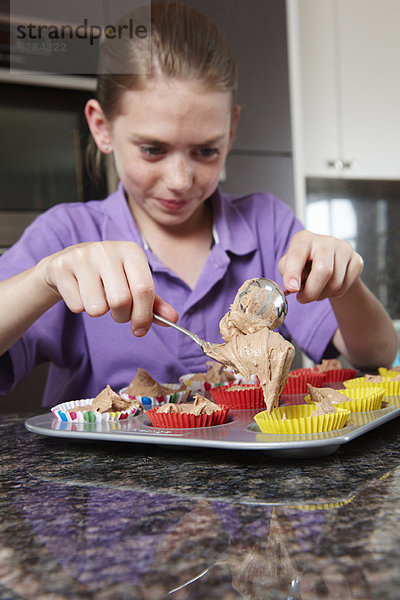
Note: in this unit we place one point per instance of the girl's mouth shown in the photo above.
(172, 205)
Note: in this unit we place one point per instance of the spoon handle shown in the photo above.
(193, 336)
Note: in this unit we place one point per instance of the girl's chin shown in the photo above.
(177, 216)
(172, 220)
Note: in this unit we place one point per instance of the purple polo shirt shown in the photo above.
(251, 233)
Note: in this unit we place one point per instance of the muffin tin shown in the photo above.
(239, 432)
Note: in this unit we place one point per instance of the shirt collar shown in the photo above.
(231, 229)
(120, 224)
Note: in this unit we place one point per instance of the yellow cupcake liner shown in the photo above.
(387, 372)
(360, 399)
(392, 388)
(359, 382)
(297, 419)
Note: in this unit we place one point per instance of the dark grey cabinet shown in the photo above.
(261, 158)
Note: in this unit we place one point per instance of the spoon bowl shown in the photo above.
(273, 306)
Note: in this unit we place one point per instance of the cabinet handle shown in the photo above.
(340, 164)
(349, 164)
(335, 163)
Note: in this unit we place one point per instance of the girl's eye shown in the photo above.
(152, 151)
(208, 152)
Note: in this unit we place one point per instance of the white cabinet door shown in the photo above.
(319, 101)
(350, 79)
(370, 85)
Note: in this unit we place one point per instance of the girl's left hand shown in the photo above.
(319, 266)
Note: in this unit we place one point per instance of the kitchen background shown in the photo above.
(320, 126)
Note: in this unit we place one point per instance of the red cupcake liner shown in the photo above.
(298, 384)
(243, 399)
(302, 371)
(339, 375)
(186, 421)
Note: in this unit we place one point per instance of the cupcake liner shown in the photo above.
(360, 382)
(387, 372)
(305, 370)
(392, 388)
(243, 399)
(186, 421)
(360, 399)
(298, 419)
(150, 402)
(297, 384)
(197, 386)
(64, 412)
(335, 375)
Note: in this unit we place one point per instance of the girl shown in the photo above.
(168, 239)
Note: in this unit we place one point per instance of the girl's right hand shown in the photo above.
(97, 277)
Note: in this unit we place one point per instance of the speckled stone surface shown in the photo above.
(120, 521)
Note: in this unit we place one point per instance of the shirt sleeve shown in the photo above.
(45, 339)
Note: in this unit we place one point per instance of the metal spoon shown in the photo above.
(274, 296)
(274, 307)
(202, 343)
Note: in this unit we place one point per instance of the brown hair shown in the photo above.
(184, 44)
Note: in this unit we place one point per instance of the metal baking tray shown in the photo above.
(240, 432)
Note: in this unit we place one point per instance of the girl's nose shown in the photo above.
(179, 176)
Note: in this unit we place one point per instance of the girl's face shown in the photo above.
(170, 142)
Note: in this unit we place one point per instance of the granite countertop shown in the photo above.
(112, 521)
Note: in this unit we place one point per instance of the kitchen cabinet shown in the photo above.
(261, 158)
(256, 32)
(349, 61)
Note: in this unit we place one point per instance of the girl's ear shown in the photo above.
(98, 125)
(235, 119)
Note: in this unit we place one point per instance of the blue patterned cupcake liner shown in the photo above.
(65, 412)
(148, 402)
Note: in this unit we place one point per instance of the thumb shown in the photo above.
(165, 310)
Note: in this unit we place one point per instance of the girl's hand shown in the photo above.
(97, 277)
(319, 266)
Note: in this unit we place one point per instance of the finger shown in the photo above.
(322, 269)
(292, 265)
(346, 276)
(165, 310)
(356, 267)
(77, 282)
(347, 267)
(117, 291)
(92, 291)
(141, 286)
(68, 289)
(336, 283)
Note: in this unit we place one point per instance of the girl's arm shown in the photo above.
(23, 299)
(95, 277)
(366, 336)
